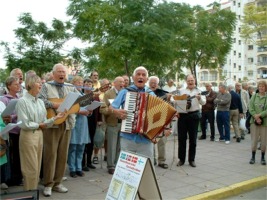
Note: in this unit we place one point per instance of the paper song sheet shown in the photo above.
(9, 127)
(68, 101)
(94, 105)
(10, 108)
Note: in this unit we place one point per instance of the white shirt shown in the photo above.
(195, 103)
(169, 89)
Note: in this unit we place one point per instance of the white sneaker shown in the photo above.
(64, 178)
(60, 188)
(47, 191)
(227, 142)
(4, 186)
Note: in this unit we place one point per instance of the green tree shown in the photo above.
(205, 38)
(255, 24)
(124, 34)
(38, 47)
(4, 73)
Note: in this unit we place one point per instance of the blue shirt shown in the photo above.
(119, 102)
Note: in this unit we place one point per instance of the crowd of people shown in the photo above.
(42, 148)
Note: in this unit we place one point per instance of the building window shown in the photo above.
(234, 40)
(239, 80)
(239, 29)
(239, 55)
(238, 5)
(250, 73)
(239, 42)
(250, 47)
(234, 77)
(250, 60)
(239, 17)
(234, 3)
(229, 61)
(234, 65)
(239, 67)
(234, 53)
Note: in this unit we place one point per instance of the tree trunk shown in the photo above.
(126, 67)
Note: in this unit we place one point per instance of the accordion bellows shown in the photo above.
(146, 114)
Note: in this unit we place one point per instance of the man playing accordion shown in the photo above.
(135, 142)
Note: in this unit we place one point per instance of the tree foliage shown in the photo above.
(38, 47)
(206, 38)
(164, 37)
(254, 27)
(124, 34)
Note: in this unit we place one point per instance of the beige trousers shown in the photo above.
(30, 151)
(258, 134)
(56, 144)
(234, 118)
(162, 150)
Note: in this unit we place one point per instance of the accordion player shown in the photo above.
(146, 114)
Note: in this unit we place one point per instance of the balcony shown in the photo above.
(262, 64)
(262, 49)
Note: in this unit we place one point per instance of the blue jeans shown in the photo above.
(223, 124)
(75, 157)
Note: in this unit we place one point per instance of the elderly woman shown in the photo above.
(14, 176)
(79, 136)
(258, 128)
(31, 111)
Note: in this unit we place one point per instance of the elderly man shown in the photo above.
(126, 80)
(153, 85)
(236, 110)
(113, 124)
(223, 101)
(170, 87)
(208, 113)
(57, 138)
(188, 122)
(244, 100)
(134, 142)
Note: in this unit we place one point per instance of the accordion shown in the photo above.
(146, 114)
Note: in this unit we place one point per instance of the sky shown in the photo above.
(46, 11)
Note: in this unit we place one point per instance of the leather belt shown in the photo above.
(193, 112)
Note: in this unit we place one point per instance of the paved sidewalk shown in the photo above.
(219, 166)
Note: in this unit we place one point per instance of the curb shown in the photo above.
(232, 190)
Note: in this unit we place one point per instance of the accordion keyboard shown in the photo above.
(130, 106)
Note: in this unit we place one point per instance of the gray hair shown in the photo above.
(30, 73)
(10, 80)
(140, 68)
(230, 87)
(154, 77)
(58, 65)
(30, 81)
(13, 72)
(224, 86)
(103, 81)
(244, 84)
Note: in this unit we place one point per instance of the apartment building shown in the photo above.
(246, 61)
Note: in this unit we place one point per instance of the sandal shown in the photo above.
(163, 165)
(95, 160)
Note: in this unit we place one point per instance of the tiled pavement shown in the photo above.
(218, 166)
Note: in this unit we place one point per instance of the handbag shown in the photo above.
(242, 124)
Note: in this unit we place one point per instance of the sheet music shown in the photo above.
(94, 105)
(9, 127)
(10, 108)
(68, 101)
(180, 106)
